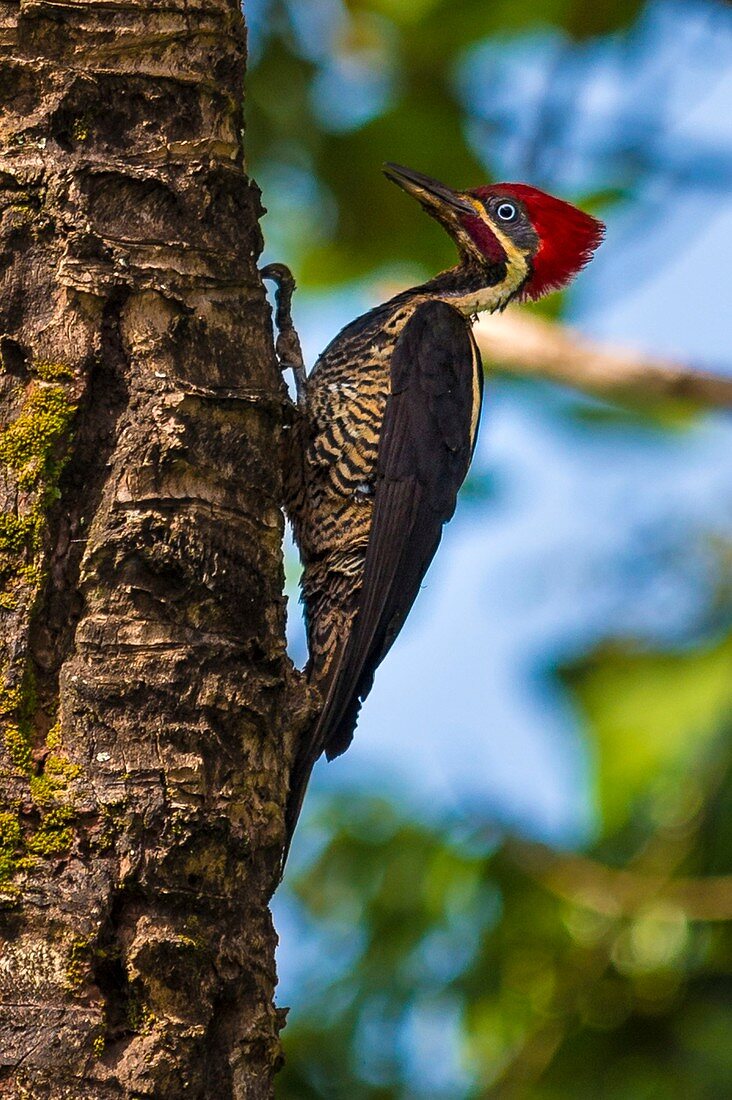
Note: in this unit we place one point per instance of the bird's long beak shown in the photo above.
(432, 194)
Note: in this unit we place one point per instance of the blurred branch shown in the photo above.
(523, 344)
(615, 893)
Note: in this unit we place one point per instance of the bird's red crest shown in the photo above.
(567, 236)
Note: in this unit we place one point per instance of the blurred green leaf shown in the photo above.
(546, 992)
(648, 714)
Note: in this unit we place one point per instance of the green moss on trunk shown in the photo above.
(33, 449)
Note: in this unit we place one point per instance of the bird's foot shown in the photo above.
(287, 344)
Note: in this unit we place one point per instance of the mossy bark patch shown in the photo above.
(30, 444)
(42, 825)
(33, 451)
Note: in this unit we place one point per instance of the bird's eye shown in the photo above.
(506, 211)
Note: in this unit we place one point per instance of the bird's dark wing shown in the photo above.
(426, 444)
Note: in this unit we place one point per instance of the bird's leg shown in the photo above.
(287, 345)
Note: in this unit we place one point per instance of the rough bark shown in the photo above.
(143, 672)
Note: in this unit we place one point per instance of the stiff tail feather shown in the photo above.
(331, 734)
(299, 779)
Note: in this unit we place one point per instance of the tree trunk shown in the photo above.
(144, 683)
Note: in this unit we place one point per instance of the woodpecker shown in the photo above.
(387, 428)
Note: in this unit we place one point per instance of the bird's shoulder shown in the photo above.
(366, 338)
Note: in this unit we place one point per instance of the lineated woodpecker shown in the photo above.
(387, 427)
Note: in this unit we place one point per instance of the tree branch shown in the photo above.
(523, 344)
(619, 892)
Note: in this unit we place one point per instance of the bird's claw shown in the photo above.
(287, 345)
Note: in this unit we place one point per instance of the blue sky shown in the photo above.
(593, 531)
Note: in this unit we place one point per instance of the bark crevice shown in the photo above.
(147, 706)
(94, 429)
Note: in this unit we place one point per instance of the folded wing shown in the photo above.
(426, 444)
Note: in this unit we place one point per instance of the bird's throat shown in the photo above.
(473, 289)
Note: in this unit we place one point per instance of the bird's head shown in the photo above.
(525, 242)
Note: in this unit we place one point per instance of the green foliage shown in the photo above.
(10, 843)
(78, 957)
(48, 789)
(558, 974)
(54, 836)
(18, 748)
(52, 371)
(650, 714)
(16, 532)
(33, 450)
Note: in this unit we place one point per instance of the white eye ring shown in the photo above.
(506, 211)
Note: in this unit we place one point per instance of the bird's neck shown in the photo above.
(475, 289)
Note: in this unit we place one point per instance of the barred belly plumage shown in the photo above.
(330, 502)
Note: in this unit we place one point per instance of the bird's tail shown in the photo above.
(331, 733)
(299, 779)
